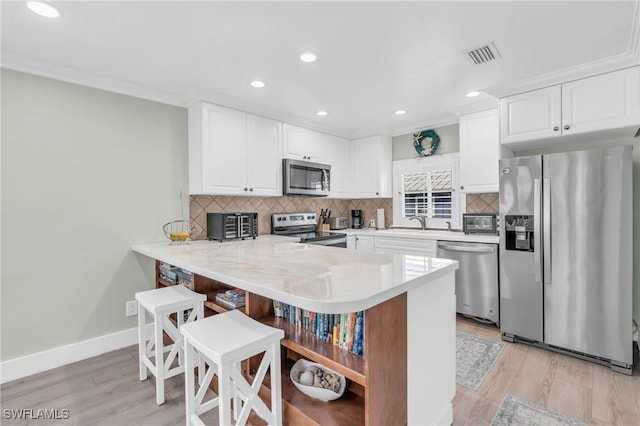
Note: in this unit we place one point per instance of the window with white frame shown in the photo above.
(426, 187)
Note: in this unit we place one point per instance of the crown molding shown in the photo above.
(443, 121)
(29, 65)
(199, 94)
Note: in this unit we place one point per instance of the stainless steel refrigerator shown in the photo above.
(566, 253)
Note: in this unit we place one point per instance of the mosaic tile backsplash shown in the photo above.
(200, 205)
(483, 203)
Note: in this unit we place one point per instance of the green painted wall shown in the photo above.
(85, 174)
(636, 201)
(402, 146)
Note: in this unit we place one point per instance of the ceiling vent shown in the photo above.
(483, 54)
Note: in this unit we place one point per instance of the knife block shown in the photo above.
(322, 227)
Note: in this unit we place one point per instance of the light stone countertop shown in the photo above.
(426, 234)
(318, 278)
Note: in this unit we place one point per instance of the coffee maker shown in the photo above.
(356, 219)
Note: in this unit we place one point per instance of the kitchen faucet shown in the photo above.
(448, 226)
(422, 220)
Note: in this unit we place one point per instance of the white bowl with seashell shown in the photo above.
(317, 381)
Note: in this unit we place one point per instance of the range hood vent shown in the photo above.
(483, 54)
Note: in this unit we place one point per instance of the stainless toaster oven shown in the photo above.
(480, 223)
(232, 226)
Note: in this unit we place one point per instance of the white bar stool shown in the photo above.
(160, 303)
(224, 341)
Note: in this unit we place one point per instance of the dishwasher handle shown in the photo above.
(467, 249)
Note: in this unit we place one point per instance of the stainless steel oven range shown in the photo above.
(303, 225)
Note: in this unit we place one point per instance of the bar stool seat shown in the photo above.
(161, 303)
(224, 341)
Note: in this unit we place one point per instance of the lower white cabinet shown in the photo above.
(403, 245)
(361, 242)
(479, 152)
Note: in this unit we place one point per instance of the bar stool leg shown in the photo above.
(224, 393)
(142, 342)
(276, 391)
(189, 385)
(159, 361)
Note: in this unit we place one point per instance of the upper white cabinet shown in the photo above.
(337, 155)
(531, 115)
(604, 104)
(479, 151)
(264, 160)
(232, 152)
(302, 144)
(372, 167)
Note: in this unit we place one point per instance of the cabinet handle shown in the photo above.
(566, 127)
(556, 128)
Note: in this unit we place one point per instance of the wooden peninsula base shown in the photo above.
(408, 373)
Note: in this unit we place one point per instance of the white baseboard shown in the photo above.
(24, 366)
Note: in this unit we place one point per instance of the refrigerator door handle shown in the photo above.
(537, 211)
(546, 230)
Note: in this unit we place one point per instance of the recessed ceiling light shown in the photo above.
(400, 112)
(322, 113)
(472, 94)
(43, 9)
(308, 57)
(257, 84)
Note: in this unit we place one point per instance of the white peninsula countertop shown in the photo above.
(313, 277)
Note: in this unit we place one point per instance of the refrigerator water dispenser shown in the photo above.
(519, 232)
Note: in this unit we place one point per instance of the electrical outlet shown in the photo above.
(131, 308)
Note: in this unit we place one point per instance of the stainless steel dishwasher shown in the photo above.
(476, 278)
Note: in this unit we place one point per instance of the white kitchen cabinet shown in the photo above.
(303, 144)
(372, 167)
(337, 155)
(361, 242)
(606, 104)
(264, 161)
(403, 245)
(233, 153)
(531, 115)
(479, 152)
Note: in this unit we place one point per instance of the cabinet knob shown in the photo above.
(245, 188)
(250, 189)
(556, 128)
(566, 127)
(461, 186)
(377, 193)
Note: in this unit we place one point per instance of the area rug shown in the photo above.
(512, 411)
(474, 358)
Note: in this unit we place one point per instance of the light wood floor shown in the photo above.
(583, 390)
(105, 390)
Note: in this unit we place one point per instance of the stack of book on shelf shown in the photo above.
(169, 273)
(231, 299)
(343, 330)
(185, 278)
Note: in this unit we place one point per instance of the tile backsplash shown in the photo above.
(483, 203)
(200, 205)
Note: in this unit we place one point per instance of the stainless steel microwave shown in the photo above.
(305, 178)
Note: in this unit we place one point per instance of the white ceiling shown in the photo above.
(373, 57)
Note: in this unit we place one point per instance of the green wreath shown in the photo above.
(430, 136)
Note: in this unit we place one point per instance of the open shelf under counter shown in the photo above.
(311, 347)
(300, 409)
